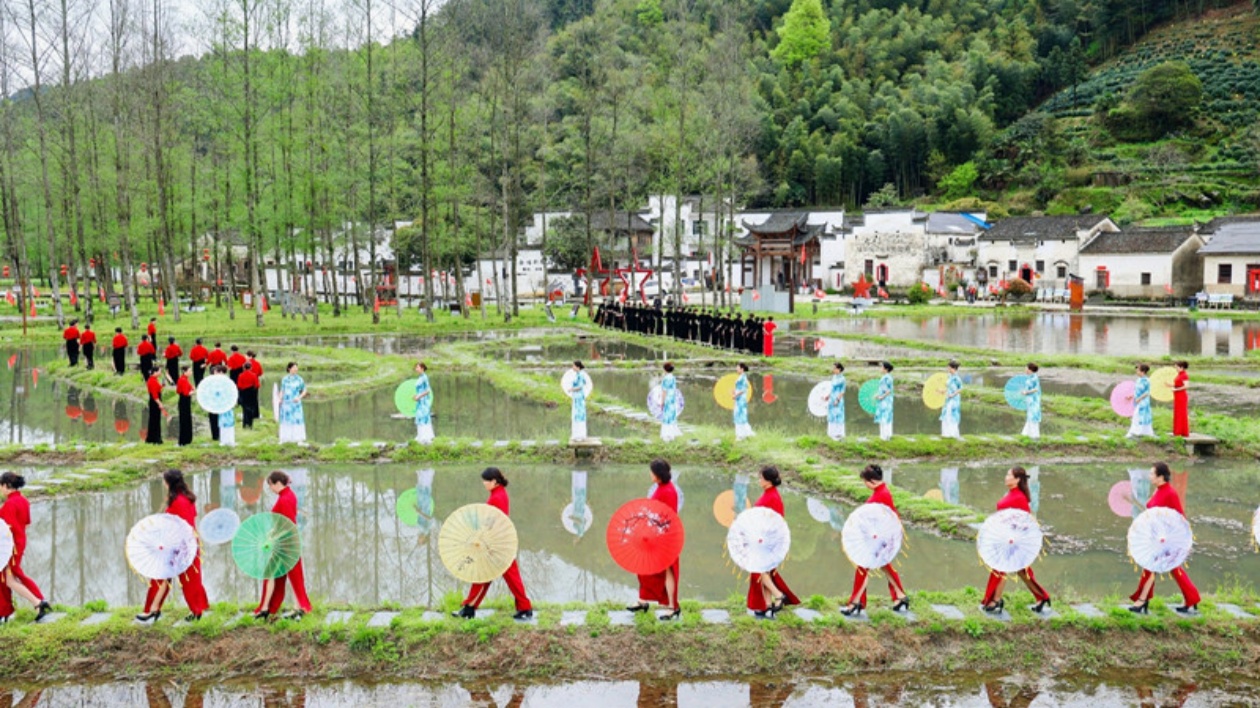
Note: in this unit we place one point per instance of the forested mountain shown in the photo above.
(293, 126)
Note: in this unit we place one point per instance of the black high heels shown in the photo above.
(777, 606)
(465, 612)
(676, 614)
(1188, 610)
(1142, 609)
(1041, 606)
(146, 617)
(260, 616)
(995, 608)
(192, 618)
(852, 610)
(43, 609)
(903, 605)
(641, 607)
(523, 616)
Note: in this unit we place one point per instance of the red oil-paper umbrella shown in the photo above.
(645, 536)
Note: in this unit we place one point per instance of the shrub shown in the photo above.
(919, 293)
(1018, 287)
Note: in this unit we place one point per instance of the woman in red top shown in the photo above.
(152, 330)
(496, 484)
(185, 390)
(235, 363)
(216, 357)
(154, 434)
(768, 593)
(172, 355)
(247, 384)
(273, 590)
(873, 477)
(148, 356)
(16, 512)
(119, 346)
(71, 335)
(1181, 401)
(1017, 498)
(181, 502)
(1166, 497)
(197, 355)
(661, 587)
(87, 340)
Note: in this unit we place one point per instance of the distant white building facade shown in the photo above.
(1042, 250)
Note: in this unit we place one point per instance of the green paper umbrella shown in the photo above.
(266, 546)
(404, 397)
(866, 396)
(412, 508)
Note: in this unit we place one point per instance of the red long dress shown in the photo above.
(880, 495)
(512, 576)
(1015, 499)
(1167, 497)
(16, 512)
(652, 587)
(189, 580)
(769, 499)
(767, 342)
(1181, 406)
(286, 506)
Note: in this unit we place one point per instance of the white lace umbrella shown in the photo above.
(872, 536)
(575, 523)
(161, 546)
(217, 394)
(1160, 540)
(1009, 541)
(219, 526)
(656, 402)
(6, 546)
(818, 510)
(758, 540)
(819, 398)
(566, 383)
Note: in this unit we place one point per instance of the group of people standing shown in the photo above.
(697, 325)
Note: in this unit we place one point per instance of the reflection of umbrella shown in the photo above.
(161, 546)
(934, 391)
(266, 546)
(404, 395)
(656, 398)
(819, 398)
(1009, 540)
(866, 396)
(1120, 498)
(217, 394)
(724, 391)
(219, 526)
(645, 536)
(477, 543)
(872, 536)
(724, 508)
(1161, 383)
(818, 510)
(759, 540)
(411, 508)
(6, 545)
(575, 524)
(1015, 392)
(1122, 399)
(566, 383)
(1160, 540)
(934, 495)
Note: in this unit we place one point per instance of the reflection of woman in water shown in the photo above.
(496, 484)
(768, 593)
(1018, 497)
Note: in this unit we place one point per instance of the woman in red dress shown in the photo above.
(1167, 497)
(181, 502)
(273, 590)
(768, 593)
(154, 431)
(1017, 498)
(496, 484)
(1181, 401)
(873, 477)
(16, 512)
(661, 587)
(185, 389)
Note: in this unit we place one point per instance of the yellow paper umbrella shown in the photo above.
(934, 391)
(724, 508)
(1162, 383)
(477, 543)
(724, 391)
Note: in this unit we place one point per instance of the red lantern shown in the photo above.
(6, 271)
(64, 269)
(92, 263)
(205, 254)
(219, 282)
(144, 267)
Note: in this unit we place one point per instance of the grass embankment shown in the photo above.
(496, 647)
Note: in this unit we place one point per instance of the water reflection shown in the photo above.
(861, 692)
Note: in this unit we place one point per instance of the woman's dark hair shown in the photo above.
(278, 477)
(492, 474)
(248, 367)
(838, 367)
(1144, 368)
(250, 353)
(579, 364)
(423, 366)
(660, 470)
(289, 366)
(235, 348)
(1021, 478)
(669, 368)
(873, 473)
(197, 341)
(953, 364)
(1161, 470)
(218, 345)
(887, 366)
(144, 337)
(170, 340)
(12, 480)
(185, 368)
(1033, 367)
(1183, 364)
(770, 473)
(177, 486)
(742, 367)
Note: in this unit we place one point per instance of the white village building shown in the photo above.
(1231, 258)
(1042, 250)
(1138, 262)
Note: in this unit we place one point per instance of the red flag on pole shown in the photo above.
(74, 299)
(802, 255)
(266, 307)
(162, 306)
(376, 305)
(8, 297)
(32, 307)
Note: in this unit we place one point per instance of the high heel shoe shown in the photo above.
(641, 607)
(995, 608)
(676, 614)
(852, 610)
(1041, 606)
(146, 617)
(465, 612)
(523, 616)
(903, 605)
(44, 608)
(777, 606)
(192, 618)
(1142, 609)
(260, 616)
(1188, 610)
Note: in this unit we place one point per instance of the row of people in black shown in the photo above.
(706, 326)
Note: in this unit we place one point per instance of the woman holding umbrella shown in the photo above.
(835, 403)
(1142, 422)
(661, 587)
(951, 412)
(424, 405)
(1032, 414)
(884, 402)
(496, 484)
(1018, 497)
(154, 434)
(1181, 401)
(273, 590)
(16, 512)
(669, 405)
(185, 390)
(873, 477)
(1167, 497)
(768, 593)
(181, 502)
(577, 390)
(742, 392)
(292, 419)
